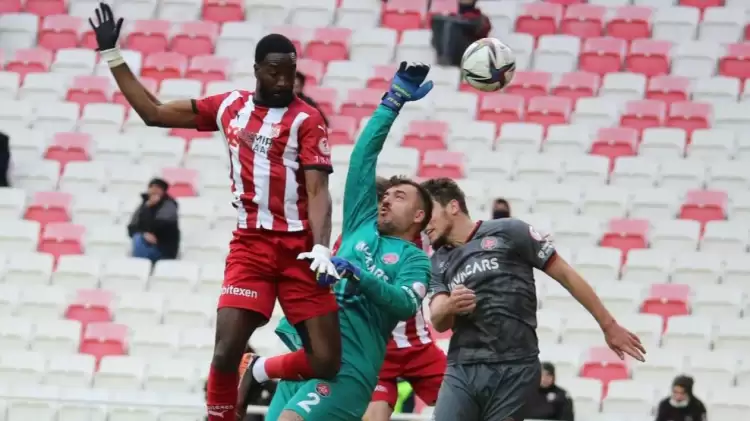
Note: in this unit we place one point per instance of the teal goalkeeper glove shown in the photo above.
(408, 85)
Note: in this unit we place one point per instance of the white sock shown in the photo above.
(259, 370)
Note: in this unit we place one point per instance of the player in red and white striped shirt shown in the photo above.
(279, 168)
(411, 355)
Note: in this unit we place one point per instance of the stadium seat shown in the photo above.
(704, 206)
(61, 239)
(160, 66)
(136, 308)
(47, 207)
(154, 342)
(173, 275)
(602, 55)
(51, 117)
(689, 116)
(33, 60)
(687, 332)
(84, 90)
(59, 31)
(621, 297)
(403, 14)
(549, 110)
(734, 61)
(70, 370)
(721, 24)
(623, 86)
(194, 38)
(529, 84)
(615, 142)
(634, 172)
(196, 343)
(662, 143)
(83, 177)
(69, 147)
(183, 182)
(20, 236)
(575, 85)
(119, 372)
(604, 202)
(90, 306)
(598, 263)
(649, 57)
(538, 19)
(42, 303)
(437, 163)
(189, 310)
(557, 53)
(56, 336)
(74, 271)
(15, 333)
(628, 397)
(537, 169)
(680, 175)
(583, 20)
(328, 44)
(667, 300)
(22, 368)
(148, 36)
(718, 89)
(425, 135)
(675, 23)
(19, 29)
(675, 236)
(668, 89)
(654, 204)
(695, 59)
(724, 237)
(170, 376)
(517, 138)
(207, 68)
(626, 234)
(595, 112)
(28, 269)
(360, 103)
(223, 11)
(104, 339)
(630, 23)
(603, 364)
(731, 336)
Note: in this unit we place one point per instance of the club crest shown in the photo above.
(390, 258)
(488, 243)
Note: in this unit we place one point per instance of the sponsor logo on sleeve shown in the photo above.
(419, 288)
(535, 234)
(324, 147)
(488, 243)
(390, 258)
(323, 389)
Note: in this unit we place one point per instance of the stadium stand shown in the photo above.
(636, 112)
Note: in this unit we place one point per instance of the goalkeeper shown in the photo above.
(383, 275)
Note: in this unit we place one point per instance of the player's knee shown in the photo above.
(325, 365)
(227, 355)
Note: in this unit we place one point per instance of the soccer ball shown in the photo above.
(488, 65)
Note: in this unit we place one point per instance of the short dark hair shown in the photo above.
(424, 195)
(443, 190)
(273, 43)
(381, 186)
(501, 201)
(159, 182)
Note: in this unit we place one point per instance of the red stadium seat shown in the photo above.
(160, 66)
(296, 34)
(221, 11)
(668, 89)
(148, 83)
(736, 61)
(701, 4)
(602, 55)
(539, 19)
(328, 44)
(583, 20)
(90, 306)
(195, 38)
(89, 89)
(501, 108)
(60, 31)
(10, 6)
(548, 110)
(403, 14)
(426, 135)
(103, 339)
(341, 130)
(66, 147)
(566, 2)
(530, 84)
(442, 164)
(61, 239)
(626, 234)
(312, 69)
(43, 8)
(614, 142)
(381, 77)
(643, 114)
(603, 364)
(49, 207)
(441, 7)
(190, 134)
(667, 300)
(690, 116)
(577, 85)
(182, 181)
(325, 97)
(148, 36)
(361, 103)
(208, 68)
(630, 23)
(649, 57)
(29, 60)
(704, 206)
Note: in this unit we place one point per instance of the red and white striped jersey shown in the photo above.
(269, 149)
(412, 332)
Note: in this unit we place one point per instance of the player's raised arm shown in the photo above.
(404, 296)
(360, 198)
(175, 114)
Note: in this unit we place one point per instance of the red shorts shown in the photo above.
(423, 367)
(262, 266)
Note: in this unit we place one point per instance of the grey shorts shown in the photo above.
(486, 392)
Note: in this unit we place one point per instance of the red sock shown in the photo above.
(291, 366)
(221, 396)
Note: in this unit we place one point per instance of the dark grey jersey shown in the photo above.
(496, 263)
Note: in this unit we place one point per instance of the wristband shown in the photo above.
(112, 56)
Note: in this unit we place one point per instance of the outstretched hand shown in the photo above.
(107, 29)
(408, 85)
(623, 341)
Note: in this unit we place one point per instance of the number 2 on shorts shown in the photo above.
(306, 404)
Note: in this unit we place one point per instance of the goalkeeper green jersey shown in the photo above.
(394, 272)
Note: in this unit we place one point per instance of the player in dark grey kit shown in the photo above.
(483, 288)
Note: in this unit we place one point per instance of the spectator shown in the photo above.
(154, 226)
(500, 209)
(4, 159)
(451, 35)
(299, 87)
(682, 405)
(551, 402)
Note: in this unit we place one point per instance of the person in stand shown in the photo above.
(682, 405)
(551, 402)
(452, 34)
(500, 209)
(299, 86)
(154, 227)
